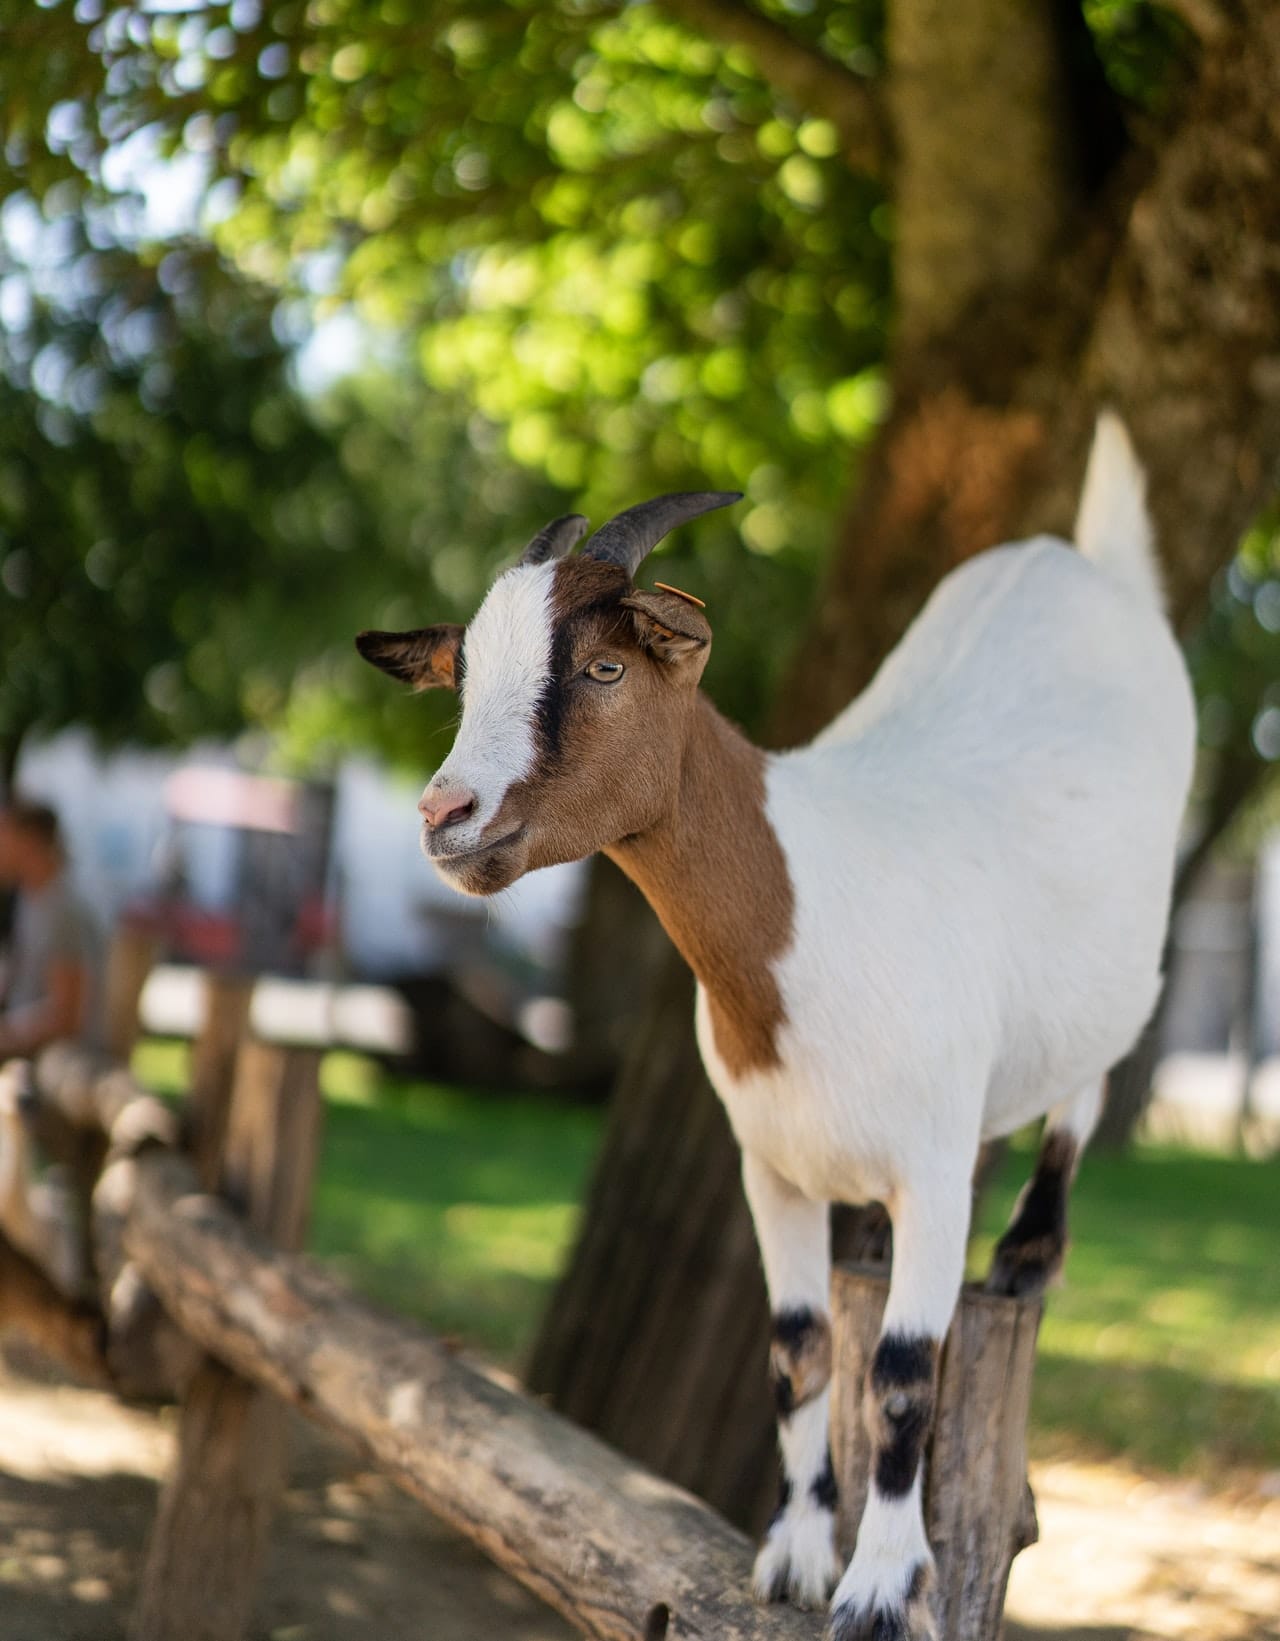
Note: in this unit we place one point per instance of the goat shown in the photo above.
(941, 919)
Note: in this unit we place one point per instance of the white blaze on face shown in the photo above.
(507, 661)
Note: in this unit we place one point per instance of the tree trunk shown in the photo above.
(10, 751)
(663, 1299)
(1154, 286)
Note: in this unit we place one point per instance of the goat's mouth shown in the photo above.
(479, 871)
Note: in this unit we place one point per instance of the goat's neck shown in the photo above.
(713, 870)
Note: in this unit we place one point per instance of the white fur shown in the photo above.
(981, 849)
(1113, 526)
(507, 661)
(891, 1545)
(800, 1549)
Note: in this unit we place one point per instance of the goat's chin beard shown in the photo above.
(483, 874)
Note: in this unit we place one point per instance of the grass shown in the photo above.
(1162, 1346)
(1163, 1343)
(454, 1208)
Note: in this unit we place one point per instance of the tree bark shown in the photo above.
(10, 751)
(1152, 283)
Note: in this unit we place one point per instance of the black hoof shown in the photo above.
(910, 1619)
(850, 1623)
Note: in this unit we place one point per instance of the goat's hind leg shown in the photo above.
(1030, 1253)
(798, 1557)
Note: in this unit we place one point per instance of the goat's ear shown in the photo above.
(669, 625)
(426, 658)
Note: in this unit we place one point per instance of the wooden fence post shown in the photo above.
(213, 1072)
(979, 1509)
(130, 959)
(210, 1534)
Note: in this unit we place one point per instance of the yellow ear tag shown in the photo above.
(688, 597)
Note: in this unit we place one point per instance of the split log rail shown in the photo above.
(204, 1296)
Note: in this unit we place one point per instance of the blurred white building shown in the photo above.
(134, 833)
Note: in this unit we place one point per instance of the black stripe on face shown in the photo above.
(552, 708)
(549, 713)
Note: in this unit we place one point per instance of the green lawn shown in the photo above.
(1163, 1344)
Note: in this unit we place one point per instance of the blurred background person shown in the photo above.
(52, 973)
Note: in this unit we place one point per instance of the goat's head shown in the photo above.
(577, 694)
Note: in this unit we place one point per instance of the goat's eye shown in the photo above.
(605, 672)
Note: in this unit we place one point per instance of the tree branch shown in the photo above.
(822, 86)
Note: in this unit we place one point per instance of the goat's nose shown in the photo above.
(440, 809)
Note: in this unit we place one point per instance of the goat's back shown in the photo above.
(984, 841)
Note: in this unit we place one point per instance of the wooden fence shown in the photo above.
(188, 1227)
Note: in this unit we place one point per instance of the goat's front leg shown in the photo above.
(798, 1557)
(884, 1594)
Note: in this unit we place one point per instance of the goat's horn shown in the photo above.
(555, 540)
(627, 539)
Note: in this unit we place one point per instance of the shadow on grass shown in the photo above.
(1157, 1417)
(1163, 1343)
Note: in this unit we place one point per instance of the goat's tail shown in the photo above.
(1113, 526)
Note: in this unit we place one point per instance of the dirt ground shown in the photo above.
(351, 1558)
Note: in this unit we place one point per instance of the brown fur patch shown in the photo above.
(647, 770)
(713, 870)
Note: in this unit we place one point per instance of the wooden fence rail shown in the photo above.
(622, 1554)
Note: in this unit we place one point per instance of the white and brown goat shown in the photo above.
(940, 920)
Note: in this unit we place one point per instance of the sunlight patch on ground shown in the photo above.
(1151, 1558)
(51, 1432)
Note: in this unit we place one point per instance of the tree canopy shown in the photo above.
(611, 249)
